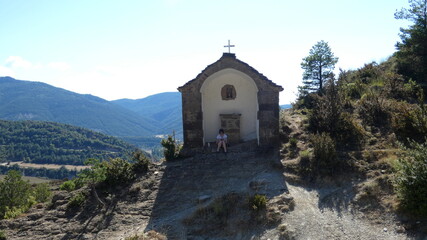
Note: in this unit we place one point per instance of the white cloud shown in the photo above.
(18, 62)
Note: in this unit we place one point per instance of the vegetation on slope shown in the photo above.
(359, 123)
(55, 143)
(371, 123)
(105, 175)
(17, 195)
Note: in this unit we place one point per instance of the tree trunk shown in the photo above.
(95, 194)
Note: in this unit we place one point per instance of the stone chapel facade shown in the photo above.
(232, 95)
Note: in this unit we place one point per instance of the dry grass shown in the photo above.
(49, 166)
(150, 235)
(32, 180)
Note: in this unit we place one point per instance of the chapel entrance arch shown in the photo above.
(230, 92)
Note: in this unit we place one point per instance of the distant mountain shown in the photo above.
(164, 108)
(56, 143)
(286, 106)
(26, 100)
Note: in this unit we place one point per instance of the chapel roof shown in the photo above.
(229, 60)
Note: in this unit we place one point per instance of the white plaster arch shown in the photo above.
(245, 103)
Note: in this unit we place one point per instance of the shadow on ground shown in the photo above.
(191, 184)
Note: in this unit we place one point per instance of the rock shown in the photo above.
(258, 184)
(400, 229)
(385, 229)
(203, 198)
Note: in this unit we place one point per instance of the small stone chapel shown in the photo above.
(231, 95)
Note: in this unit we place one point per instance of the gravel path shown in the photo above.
(327, 219)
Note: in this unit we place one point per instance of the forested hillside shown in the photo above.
(55, 143)
(164, 108)
(25, 100)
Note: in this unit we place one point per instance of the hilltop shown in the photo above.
(212, 196)
(56, 143)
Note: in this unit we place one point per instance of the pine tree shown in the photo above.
(318, 66)
(412, 50)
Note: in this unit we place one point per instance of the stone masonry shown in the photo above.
(268, 101)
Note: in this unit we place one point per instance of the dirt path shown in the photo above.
(320, 214)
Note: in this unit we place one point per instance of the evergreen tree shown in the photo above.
(412, 50)
(14, 194)
(318, 66)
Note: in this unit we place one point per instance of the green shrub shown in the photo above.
(68, 186)
(305, 100)
(42, 192)
(171, 148)
(293, 143)
(409, 122)
(258, 202)
(118, 171)
(13, 212)
(349, 133)
(325, 159)
(77, 200)
(354, 90)
(374, 109)
(141, 162)
(305, 162)
(2, 235)
(15, 195)
(411, 179)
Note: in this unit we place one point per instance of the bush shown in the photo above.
(13, 212)
(42, 192)
(409, 122)
(325, 159)
(77, 200)
(2, 235)
(141, 162)
(15, 195)
(411, 179)
(374, 110)
(349, 133)
(68, 186)
(171, 148)
(327, 110)
(305, 162)
(293, 143)
(118, 171)
(258, 202)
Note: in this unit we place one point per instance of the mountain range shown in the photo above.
(136, 121)
(164, 108)
(126, 118)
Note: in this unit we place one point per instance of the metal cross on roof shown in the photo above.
(229, 46)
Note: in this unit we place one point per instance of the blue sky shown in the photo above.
(132, 49)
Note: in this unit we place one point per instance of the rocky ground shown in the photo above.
(208, 197)
(162, 199)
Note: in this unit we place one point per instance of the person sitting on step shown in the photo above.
(221, 140)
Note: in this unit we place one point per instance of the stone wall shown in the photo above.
(268, 101)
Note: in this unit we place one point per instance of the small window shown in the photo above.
(228, 92)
